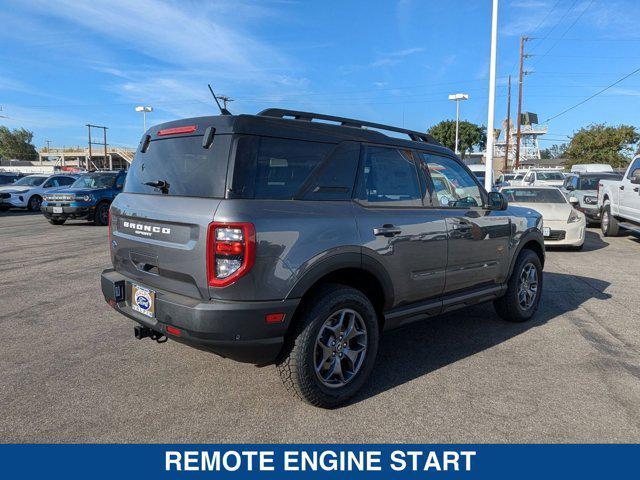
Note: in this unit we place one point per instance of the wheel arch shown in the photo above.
(531, 240)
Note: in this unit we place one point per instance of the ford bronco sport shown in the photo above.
(296, 239)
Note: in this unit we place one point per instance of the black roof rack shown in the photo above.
(348, 122)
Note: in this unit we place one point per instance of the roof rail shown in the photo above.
(347, 122)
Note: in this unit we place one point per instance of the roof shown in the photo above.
(532, 187)
(308, 126)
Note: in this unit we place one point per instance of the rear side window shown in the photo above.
(181, 164)
(388, 178)
(275, 168)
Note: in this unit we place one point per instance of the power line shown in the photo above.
(594, 95)
(565, 32)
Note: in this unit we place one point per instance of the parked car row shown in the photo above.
(65, 196)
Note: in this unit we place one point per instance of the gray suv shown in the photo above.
(296, 238)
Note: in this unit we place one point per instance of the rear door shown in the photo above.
(159, 223)
(395, 228)
(478, 237)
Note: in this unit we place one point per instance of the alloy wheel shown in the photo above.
(528, 286)
(341, 347)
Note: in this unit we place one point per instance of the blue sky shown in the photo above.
(66, 63)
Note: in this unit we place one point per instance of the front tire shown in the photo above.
(609, 223)
(34, 203)
(101, 215)
(333, 348)
(524, 289)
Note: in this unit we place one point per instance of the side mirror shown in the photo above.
(574, 201)
(569, 187)
(497, 201)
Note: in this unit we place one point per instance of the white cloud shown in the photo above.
(396, 57)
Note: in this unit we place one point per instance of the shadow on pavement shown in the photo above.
(423, 347)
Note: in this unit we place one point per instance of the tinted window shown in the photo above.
(534, 195)
(388, 177)
(275, 168)
(335, 177)
(635, 166)
(180, 166)
(63, 181)
(453, 185)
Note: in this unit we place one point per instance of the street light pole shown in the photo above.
(144, 109)
(456, 97)
(488, 177)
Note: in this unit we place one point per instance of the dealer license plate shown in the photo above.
(546, 231)
(143, 300)
(57, 209)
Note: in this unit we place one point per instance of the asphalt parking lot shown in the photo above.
(71, 370)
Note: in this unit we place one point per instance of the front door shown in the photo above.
(630, 194)
(478, 253)
(408, 240)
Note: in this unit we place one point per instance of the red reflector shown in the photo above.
(112, 302)
(229, 248)
(177, 130)
(173, 330)
(274, 317)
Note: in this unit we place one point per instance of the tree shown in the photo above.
(17, 144)
(599, 143)
(470, 135)
(554, 151)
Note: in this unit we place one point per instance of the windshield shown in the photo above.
(95, 180)
(534, 195)
(591, 182)
(30, 181)
(550, 176)
(508, 176)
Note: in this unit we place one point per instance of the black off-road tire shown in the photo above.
(57, 221)
(296, 364)
(508, 306)
(101, 215)
(609, 226)
(33, 205)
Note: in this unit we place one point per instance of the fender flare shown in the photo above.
(531, 234)
(340, 261)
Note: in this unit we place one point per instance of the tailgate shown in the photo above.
(160, 241)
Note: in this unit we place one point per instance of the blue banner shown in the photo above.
(319, 461)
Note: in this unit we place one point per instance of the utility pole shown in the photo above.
(225, 99)
(488, 177)
(48, 142)
(508, 129)
(518, 133)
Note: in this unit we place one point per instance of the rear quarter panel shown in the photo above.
(292, 237)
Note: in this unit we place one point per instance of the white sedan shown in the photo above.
(563, 224)
(29, 191)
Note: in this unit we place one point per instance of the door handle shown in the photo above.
(621, 187)
(387, 230)
(636, 189)
(461, 226)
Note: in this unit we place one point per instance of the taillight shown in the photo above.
(177, 130)
(231, 251)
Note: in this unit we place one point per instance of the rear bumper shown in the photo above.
(71, 211)
(236, 330)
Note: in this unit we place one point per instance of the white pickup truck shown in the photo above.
(619, 201)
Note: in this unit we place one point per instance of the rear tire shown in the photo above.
(333, 348)
(101, 215)
(520, 302)
(609, 223)
(57, 221)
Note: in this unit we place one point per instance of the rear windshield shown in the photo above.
(591, 182)
(534, 195)
(180, 166)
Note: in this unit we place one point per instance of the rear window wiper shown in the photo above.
(161, 185)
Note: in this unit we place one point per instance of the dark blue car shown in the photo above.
(88, 198)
